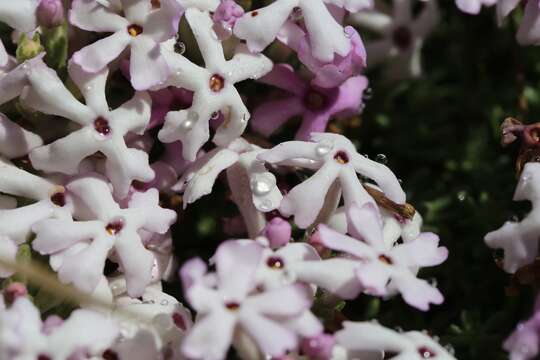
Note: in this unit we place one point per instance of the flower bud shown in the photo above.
(28, 48)
(50, 13)
(278, 232)
(318, 347)
(14, 291)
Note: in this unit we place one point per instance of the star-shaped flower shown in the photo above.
(380, 263)
(227, 302)
(101, 129)
(327, 37)
(143, 30)
(335, 159)
(79, 248)
(401, 36)
(213, 88)
(315, 104)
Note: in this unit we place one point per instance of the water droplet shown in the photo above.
(164, 302)
(214, 35)
(381, 158)
(399, 329)
(323, 148)
(368, 93)
(261, 186)
(461, 195)
(347, 34)
(88, 87)
(432, 282)
(215, 115)
(245, 118)
(179, 46)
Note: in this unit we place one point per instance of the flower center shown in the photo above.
(275, 262)
(426, 353)
(402, 37)
(43, 357)
(102, 126)
(232, 306)
(109, 355)
(314, 100)
(59, 199)
(385, 259)
(254, 13)
(179, 321)
(341, 157)
(217, 83)
(114, 227)
(135, 30)
(156, 4)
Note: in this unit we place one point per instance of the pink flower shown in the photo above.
(316, 105)
(380, 263)
(226, 15)
(326, 74)
(523, 343)
(278, 231)
(50, 13)
(227, 300)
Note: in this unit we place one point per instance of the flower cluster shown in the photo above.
(145, 106)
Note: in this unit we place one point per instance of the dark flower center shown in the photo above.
(102, 126)
(156, 4)
(254, 13)
(135, 30)
(275, 262)
(43, 357)
(109, 355)
(179, 321)
(114, 227)
(217, 83)
(385, 259)
(232, 306)
(59, 199)
(341, 157)
(426, 353)
(402, 37)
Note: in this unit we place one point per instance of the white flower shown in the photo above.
(101, 129)
(214, 89)
(80, 248)
(372, 337)
(327, 37)
(519, 240)
(22, 335)
(50, 201)
(142, 29)
(336, 160)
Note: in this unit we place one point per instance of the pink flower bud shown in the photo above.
(14, 291)
(227, 13)
(278, 232)
(318, 347)
(50, 13)
(51, 323)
